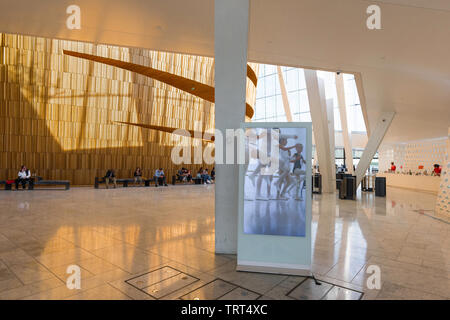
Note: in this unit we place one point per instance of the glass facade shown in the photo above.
(269, 104)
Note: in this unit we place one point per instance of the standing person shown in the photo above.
(23, 177)
(110, 176)
(160, 177)
(284, 179)
(393, 167)
(298, 161)
(138, 176)
(267, 139)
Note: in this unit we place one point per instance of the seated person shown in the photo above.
(213, 173)
(138, 176)
(187, 174)
(23, 177)
(200, 174)
(110, 176)
(205, 177)
(160, 177)
(180, 175)
(437, 170)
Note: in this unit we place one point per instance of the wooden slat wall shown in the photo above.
(56, 111)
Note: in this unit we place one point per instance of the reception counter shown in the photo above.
(419, 183)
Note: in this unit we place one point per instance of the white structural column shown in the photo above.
(346, 133)
(362, 101)
(442, 200)
(284, 96)
(383, 123)
(330, 119)
(318, 108)
(231, 38)
(315, 162)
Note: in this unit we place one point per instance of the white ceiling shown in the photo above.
(405, 67)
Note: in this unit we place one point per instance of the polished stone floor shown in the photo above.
(158, 243)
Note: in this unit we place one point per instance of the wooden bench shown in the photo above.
(124, 182)
(39, 182)
(7, 185)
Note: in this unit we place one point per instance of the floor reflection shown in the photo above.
(113, 235)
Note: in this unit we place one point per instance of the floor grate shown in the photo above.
(309, 290)
(161, 282)
(219, 289)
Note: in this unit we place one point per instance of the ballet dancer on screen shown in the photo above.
(284, 178)
(298, 172)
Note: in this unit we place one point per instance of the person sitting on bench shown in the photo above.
(205, 177)
(138, 176)
(180, 175)
(160, 177)
(110, 176)
(187, 174)
(23, 177)
(213, 173)
(200, 175)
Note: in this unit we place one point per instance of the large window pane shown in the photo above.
(270, 69)
(270, 85)
(260, 109)
(271, 107)
(292, 80)
(305, 117)
(294, 102)
(304, 103)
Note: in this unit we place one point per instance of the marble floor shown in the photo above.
(158, 243)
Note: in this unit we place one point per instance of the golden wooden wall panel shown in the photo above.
(57, 112)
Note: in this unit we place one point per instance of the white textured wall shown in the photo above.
(412, 154)
(442, 201)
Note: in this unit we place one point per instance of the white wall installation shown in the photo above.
(442, 201)
(410, 155)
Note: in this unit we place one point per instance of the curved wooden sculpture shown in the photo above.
(252, 75)
(193, 87)
(192, 133)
